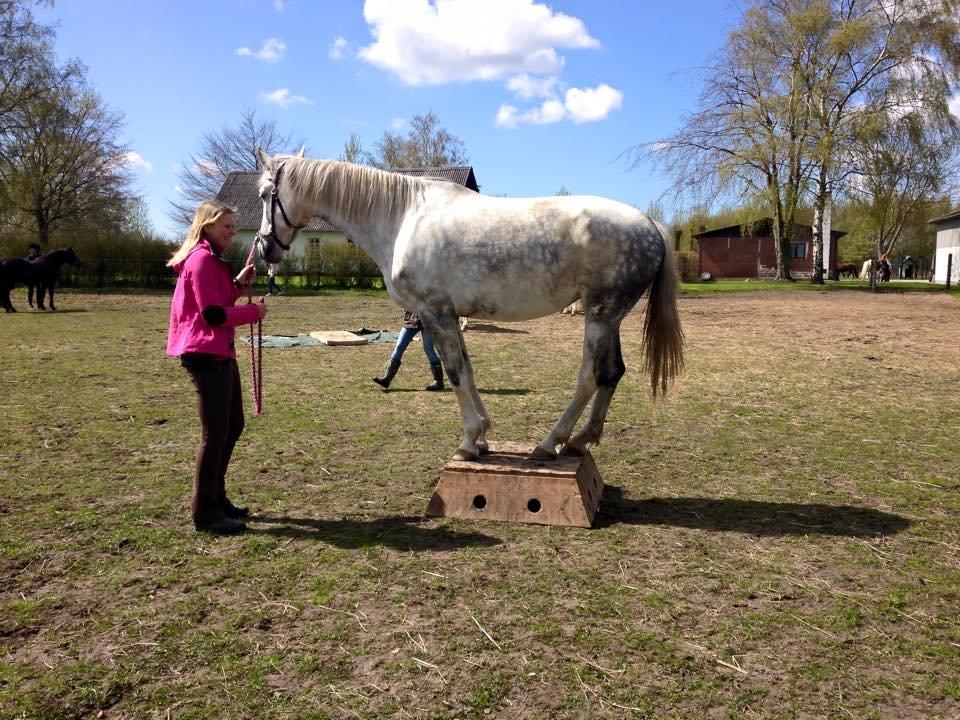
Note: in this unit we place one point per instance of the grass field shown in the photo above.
(780, 539)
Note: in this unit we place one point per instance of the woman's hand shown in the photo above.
(246, 276)
(262, 307)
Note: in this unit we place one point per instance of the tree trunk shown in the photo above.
(819, 206)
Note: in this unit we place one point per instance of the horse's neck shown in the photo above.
(373, 223)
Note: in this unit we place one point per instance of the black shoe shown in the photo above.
(388, 375)
(235, 512)
(437, 385)
(221, 526)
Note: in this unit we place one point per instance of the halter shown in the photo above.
(274, 204)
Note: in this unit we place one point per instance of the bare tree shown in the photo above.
(748, 139)
(27, 64)
(427, 144)
(352, 150)
(230, 149)
(63, 163)
(869, 58)
(903, 165)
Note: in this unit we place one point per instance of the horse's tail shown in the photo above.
(662, 332)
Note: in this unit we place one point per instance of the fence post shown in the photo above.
(949, 269)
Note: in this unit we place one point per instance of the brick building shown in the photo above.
(728, 253)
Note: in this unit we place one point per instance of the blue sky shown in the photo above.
(543, 95)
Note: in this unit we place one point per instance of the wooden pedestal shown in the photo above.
(507, 485)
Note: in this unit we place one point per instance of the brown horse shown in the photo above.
(849, 269)
(42, 273)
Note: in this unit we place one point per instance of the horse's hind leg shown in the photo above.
(30, 289)
(586, 386)
(449, 341)
(608, 369)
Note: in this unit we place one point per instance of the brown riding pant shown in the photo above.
(220, 406)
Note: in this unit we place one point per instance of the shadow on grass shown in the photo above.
(398, 532)
(483, 391)
(483, 327)
(747, 516)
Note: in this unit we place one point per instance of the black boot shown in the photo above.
(437, 370)
(391, 370)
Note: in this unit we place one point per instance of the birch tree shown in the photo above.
(748, 141)
(871, 60)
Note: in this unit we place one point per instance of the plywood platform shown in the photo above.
(338, 337)
(507, 485)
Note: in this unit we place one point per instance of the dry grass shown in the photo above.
(780, 539)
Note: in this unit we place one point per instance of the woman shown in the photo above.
(202, 322)
(412, 326)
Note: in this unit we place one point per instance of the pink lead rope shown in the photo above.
(256, 354)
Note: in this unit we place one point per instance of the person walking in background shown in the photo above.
(201, 333)
(272, 288)
(412, 326)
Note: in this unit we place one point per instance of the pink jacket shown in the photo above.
(205, 283)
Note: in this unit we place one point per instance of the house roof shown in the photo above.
(944, 218)
(239, 190)
(762, 228)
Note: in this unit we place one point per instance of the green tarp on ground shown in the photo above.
(284, 341)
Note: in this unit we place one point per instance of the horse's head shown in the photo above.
(277, 233)
(71, 257)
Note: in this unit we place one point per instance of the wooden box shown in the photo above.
(507, 485)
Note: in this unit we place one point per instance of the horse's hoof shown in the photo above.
(465, 455)
(569, 450)
(540, 454)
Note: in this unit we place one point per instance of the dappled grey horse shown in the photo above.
(448, 252)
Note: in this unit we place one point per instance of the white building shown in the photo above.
(948, 243)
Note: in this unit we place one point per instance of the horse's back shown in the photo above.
(520, 258)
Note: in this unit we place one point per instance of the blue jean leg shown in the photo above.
(406, 335)
(428, 348)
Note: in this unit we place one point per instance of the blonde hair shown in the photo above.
(207, 213)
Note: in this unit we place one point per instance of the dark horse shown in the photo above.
(42, 273)
(848, 269)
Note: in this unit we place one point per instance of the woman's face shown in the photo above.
(220, 232)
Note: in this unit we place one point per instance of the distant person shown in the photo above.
(412, 326)
(202, 321)
(272, 288)
(33, 253)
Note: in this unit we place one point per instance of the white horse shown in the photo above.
(866, 268)
(446, 251)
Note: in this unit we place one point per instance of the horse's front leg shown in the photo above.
(449, 341)
(30, 295)
(50, 297)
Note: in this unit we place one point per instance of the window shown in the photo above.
(799, 251)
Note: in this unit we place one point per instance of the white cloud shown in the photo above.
(432, 42)
(594, 104)
(338, 49)
(279, 5)
(527, 87)
(955, 105)
(178, 189)
(579, 106)
(398, 123)
(271, 51)
(134, 161)
(283, 98)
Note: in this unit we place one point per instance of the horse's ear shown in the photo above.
(263, 158)
(302, 148)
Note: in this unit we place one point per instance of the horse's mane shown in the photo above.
(353, 190)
